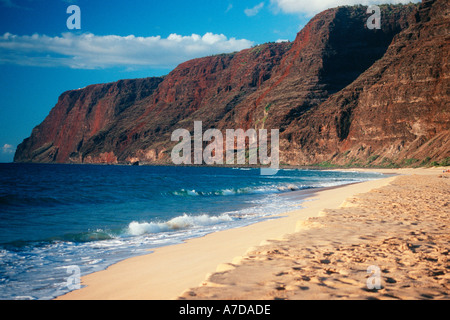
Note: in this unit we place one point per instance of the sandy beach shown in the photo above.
(380, 239)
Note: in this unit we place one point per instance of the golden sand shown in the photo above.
(390, 243)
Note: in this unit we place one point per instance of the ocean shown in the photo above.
(57, 218)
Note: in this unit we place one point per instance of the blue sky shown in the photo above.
(40, 57)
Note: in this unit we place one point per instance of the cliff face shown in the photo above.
(339, 93)
(79, 116)
(206, 89)
(396, 111)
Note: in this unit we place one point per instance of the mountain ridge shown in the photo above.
(340, 94)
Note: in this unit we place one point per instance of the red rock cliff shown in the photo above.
(398, 111)
(339, 93)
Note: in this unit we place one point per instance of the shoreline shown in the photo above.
(167, 272)
(390, 243)
(245, 166)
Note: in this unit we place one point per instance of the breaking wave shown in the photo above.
(245, 190)
(178, 223)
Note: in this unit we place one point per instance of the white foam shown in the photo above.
(184, 192)
(24, 298)
(192, 193)
(228, 192)
(265, 189)
(288, 187)
(178, 223)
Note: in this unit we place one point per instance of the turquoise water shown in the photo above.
(53, 217)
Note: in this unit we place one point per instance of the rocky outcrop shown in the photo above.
(339, 93)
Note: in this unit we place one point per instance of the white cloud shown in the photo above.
(311, 7)
(255, 10)
(89, 51)
(8, 149)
